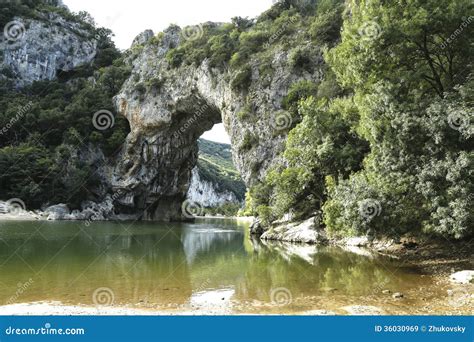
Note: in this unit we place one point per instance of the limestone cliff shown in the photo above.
(214, 180)
(169, 107)
(37, 49)
(206, 193)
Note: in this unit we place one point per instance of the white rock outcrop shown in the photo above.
(307, 231)
(57, 212)
(462, 277)
(207, 193)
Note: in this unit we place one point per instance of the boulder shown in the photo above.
(98, 211)
(256, 227)
(307, 231)
(57, 212)
(75, 215)
(462, 277)
(360, 241)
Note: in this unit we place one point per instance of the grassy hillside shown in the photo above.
(215, 165)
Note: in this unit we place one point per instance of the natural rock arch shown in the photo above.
(168, 110)
(154, 170)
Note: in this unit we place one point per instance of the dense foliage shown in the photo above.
(385, 147)
(242, 41)
(48, 127)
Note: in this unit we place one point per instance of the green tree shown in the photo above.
(412, 92)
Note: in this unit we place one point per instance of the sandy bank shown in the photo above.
(58, 309)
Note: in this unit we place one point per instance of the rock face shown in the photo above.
(169, 108)
(207, 193)
(307, 231)
(39, 49)
(57, 212)
(142, 38)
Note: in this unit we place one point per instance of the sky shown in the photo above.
(127, 18)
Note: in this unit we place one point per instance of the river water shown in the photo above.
(211, 266)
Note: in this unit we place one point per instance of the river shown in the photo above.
(211, 266)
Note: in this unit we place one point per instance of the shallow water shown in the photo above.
(211, 266)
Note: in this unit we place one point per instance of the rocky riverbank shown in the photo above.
(433, 255)
(90, 211)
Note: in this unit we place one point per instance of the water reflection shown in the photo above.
(176, 264)
(289, 251)
(203, 239)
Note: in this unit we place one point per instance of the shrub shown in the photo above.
(155, 83)
(242, 79)
(326, 27)
(243, 115)
(248, 141)
(300, 59)
(252, 42)
(298, 91)
(140, 88)
(175, 57)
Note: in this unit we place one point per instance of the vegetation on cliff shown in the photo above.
(385, 147)
(48, 125)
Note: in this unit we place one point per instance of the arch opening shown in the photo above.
(216, 187)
